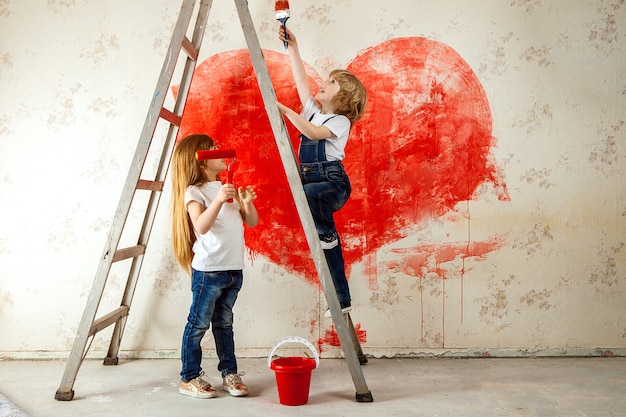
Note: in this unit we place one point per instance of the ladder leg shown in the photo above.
(289, 162)
(65, 391)
(355, 340)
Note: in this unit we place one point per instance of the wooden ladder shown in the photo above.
(112, 253)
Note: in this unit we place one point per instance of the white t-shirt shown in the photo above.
(339, 125)
(222, 247)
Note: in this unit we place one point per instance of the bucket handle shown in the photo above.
(293, 339)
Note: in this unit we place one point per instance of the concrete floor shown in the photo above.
(401, 387)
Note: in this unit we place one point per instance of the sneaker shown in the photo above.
(197, 388)
(343, 311)
(234, 385)
(329, 244)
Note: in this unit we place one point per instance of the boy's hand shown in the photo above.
(282, 108)
(247, 194)
(290, 38)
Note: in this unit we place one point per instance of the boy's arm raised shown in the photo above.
(297, 68)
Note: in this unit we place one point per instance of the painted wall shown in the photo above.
(489, 208)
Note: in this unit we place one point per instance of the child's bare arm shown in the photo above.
(305, 127)
(248, 211)
(297, 66)
(203, 218)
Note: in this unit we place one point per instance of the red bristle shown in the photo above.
(281, 5)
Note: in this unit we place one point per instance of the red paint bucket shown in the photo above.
(293, 373)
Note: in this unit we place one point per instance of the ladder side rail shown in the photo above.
(289, 162)
(183, 92)
(355, 339)
(185, 84)
(161, 174)
(65, 392)
(201, 22)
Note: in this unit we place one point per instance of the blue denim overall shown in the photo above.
(327, 188)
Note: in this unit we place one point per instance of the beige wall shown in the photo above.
(76, 78)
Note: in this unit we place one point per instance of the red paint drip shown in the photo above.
(425, 261)
(370, 271)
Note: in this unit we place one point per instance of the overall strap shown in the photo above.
(320, 144)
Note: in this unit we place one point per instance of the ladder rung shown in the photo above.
(130, 252)
(150, 185)
(108, 319)
(189, 49)
(170, 117)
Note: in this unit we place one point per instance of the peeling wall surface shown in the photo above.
(488, 211)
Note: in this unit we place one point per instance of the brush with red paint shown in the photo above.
(219, 154)
(282, 14)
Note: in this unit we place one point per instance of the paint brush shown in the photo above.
(282, 14)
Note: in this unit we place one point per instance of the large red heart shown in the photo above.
(422, 147)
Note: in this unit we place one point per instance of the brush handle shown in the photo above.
(229, 180)
(283, 20)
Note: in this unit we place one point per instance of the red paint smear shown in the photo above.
(424, 260)
(332, 339)
(422, 147)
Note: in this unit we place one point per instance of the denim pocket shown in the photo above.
(335, 173)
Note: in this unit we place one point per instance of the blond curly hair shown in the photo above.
(351, 98)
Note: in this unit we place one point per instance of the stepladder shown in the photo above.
(151, 189)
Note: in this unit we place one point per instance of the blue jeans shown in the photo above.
(214, 294)
(327, 188)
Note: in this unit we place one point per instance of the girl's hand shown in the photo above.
(227, 192)
(247, 194)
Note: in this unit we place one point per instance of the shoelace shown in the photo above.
(234, 379)
(199, 382)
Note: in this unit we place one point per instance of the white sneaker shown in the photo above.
(329, 245)
(343, 311)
